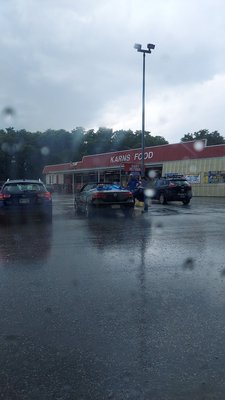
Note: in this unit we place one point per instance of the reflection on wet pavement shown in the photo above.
(25, 243)
(114, 308)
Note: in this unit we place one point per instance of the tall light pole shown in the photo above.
(148, 50)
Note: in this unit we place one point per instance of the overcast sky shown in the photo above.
(69, 63)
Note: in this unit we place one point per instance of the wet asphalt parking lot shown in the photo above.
(114, 308)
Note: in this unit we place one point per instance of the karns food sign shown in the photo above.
(128, 157)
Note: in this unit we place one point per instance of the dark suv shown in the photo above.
(25, 198)
(172, 188)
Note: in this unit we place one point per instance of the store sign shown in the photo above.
(130, 167)
(128, 157)
(196, 178)
(120, 159)
(147, 156)
(214, 177)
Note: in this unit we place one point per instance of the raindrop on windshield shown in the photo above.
(45, 151)
(158, 227)
(8, 115)
(199, 145)
(5, 147)
(223, 273)
(189, 264)
(152, 174)
(149, 192)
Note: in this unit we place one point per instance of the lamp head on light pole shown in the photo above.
(138, 47)
(150, 46)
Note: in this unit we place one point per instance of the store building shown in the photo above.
(204, 167)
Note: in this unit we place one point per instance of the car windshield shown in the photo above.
(112, 199)
(109, 186)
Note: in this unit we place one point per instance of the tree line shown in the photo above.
(24, 154)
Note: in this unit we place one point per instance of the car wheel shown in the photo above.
(89, 211)
(162, 199)
(186, 201)
(76, 209)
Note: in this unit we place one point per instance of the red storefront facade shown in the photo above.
(117, 165)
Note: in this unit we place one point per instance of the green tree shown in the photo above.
(104, 137)
(78, 135)
(24, 154)
(149, 139)
(122, 140)
(213, 138)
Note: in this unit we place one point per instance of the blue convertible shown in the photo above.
(93, 197)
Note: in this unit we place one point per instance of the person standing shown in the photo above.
(132, 183)
(144, 184)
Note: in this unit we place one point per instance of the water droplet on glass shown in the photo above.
(8, 115)
(152, 174)
(189, 264)
(16, 147)
(45, 151)
(198, 145)
(11, 149)
(149, 192)
(222, 273)
(5, 147)
(158, 227)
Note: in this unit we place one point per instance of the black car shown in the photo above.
(172, 188)
(25, 198)
(93, 197)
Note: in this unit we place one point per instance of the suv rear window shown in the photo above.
(179, 182)
(14, 188)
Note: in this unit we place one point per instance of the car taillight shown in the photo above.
(130, 194)
(4, 196)
(45, 195)
(99, 195)
(172, 184)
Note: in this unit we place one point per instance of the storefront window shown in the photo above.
(214, 177)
